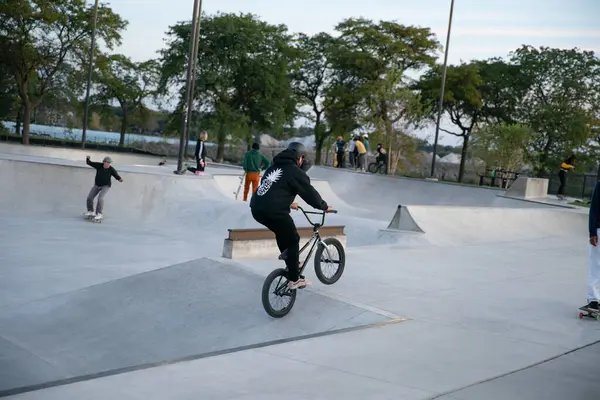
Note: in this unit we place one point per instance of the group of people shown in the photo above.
(271, 202)
(357, 148)
(285, 178)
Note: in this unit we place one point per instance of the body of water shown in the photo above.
(61, 132)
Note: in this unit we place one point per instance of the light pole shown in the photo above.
(441, 101)
(89, 78)
(194, 69)
(189, 96)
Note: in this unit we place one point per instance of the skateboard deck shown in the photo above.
(587, 312)
(237, 192)
(91, 219)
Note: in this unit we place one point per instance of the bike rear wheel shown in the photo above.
(276, 285)
(335, 250)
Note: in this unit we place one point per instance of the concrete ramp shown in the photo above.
(376, 192)
(61, 190)
(228, 185)
(403, 221)
(465, 225)
(191, 309)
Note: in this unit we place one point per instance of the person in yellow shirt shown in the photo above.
(362, 153)
(567, 165)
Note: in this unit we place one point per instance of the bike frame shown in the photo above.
(316, 237)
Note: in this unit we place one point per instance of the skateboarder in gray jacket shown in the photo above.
(102, 183)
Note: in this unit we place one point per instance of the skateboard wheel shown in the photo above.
(580, 315)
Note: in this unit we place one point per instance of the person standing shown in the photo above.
(365, 140)
(593, 281)
(562, 175)
(102, 184)
(362, 153)
(340, 145)
(253, 163)
(351, 148)
(200, 155)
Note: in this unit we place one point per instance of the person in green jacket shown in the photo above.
(253, 163)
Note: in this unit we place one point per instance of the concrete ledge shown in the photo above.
(260, 243)
(528, 188)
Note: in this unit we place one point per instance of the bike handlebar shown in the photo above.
(322, 213)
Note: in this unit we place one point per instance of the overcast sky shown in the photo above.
(480, 29)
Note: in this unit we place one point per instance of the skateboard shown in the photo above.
(589, 313)
(91, 219)
(237, 192)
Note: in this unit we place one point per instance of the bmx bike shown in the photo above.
(376, 168)
(276, 282)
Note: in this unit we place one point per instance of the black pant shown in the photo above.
(282, 225)
(340, 159)
(198, 166)
(562, 177)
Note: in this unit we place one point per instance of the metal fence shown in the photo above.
(577, 185)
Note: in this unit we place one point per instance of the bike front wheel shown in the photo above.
(331, 256)
(277, 298)
(372, 168)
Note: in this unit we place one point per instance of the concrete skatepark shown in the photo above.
(450, 292)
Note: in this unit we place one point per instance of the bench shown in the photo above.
(260, 242)
(503, 176)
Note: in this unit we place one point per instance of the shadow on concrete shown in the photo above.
(192, 309)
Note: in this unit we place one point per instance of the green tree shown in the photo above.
(501, 87)
(311, 76)
(8, 93)
(127, 82)
(40, 38)
(559, 101)
(462, 101)
(242, 79)
(377, 56)
(342, 97)
(501, 145)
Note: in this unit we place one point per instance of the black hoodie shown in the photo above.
(280, 185)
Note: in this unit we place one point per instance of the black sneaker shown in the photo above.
(593, 305)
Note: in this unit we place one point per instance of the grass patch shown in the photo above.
(585, 204)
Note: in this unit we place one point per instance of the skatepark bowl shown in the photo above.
(450, 291)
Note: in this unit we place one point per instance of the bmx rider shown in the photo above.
(382, 157)
(284, 180)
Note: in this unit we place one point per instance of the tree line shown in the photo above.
(533, 106)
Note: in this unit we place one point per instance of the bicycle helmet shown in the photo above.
(300, 150)
(298, 147)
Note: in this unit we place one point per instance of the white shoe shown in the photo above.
(98, 217)
(301, 283)
(88, 214)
